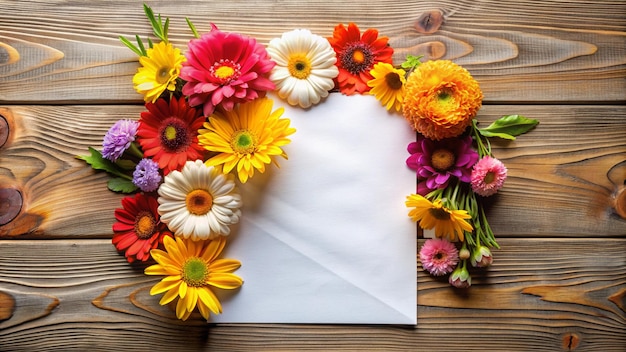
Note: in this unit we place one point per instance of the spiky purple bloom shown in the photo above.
(118, 138)
(146, 175)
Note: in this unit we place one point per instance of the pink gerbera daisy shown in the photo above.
(225, 69)
(438, 256)
(488, 175)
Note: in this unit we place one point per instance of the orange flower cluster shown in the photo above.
(441, 99)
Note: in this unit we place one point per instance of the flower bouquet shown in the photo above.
(209, 127)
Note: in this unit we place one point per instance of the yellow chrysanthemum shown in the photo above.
(159, 71)
(247, 137)
(190, 268)
(441, 99)
(447, 222)
(388, 85)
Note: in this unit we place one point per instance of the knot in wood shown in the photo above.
(619, 203)
(7, 306)
(4, 130)
(10, 204)
(429, 22)
(570, 341)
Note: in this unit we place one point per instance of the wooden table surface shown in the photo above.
(558, 283)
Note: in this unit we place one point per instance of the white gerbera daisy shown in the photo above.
(199, 202)
(305, 67)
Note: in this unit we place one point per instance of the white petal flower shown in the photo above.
(305, 67)
(199, 202)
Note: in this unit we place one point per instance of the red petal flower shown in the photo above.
(138, 228)
(168, 133)
(357, 55)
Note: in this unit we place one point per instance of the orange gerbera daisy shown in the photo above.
(357, 55)
(441, 99)
(168, 133)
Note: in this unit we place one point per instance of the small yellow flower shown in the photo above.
(388, 85)
(441, 99)
(159, 71)
(447, 222)
(190, 268)
(247, 137)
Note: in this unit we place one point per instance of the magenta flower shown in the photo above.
(146, 175)
(488, 176)
(436, 162)
(225, 69)
(118, 138)
(439, 256)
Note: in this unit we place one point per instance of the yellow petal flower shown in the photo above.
(159, 71)
(197, 269)
(447, 222)
(246, 138)
(388, 85)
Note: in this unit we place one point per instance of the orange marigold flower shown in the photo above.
(441, 99)
(357, 55)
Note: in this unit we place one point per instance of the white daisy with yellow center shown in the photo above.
(199, 202)
(305, 67)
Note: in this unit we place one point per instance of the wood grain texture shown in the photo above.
(569, 167)
(519, 51)
(84, 296)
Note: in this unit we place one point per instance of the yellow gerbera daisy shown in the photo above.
(388, 85)
(441, 99)
(159, 71)
(447, 222)
(191, 268)
(246, 137)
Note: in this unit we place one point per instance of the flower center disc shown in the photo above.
(144, 225)
(357, 57)
(199, 201)
(174, 135)
(195, 272)
(393, 81)
(439, 213)
(489, 177)
(224, 72)
(243, 142)
(299, 66)
(163, 75)
(442, 159)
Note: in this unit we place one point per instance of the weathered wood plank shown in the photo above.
(82, 295)
(57, 51)
(567, 168)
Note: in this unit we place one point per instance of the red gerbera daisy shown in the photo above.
(168, 133)
(357, 55)
(138, 228)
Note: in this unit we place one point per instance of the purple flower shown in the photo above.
(118, 138)
(436, 162)
(146, 175)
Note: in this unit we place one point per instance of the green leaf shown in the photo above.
(192, 27)
(131, 46)
(508, 127)
(141, 46)
(98, 162)
(158, 28)
(126, 164)
(411, 62)
(122, 185)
